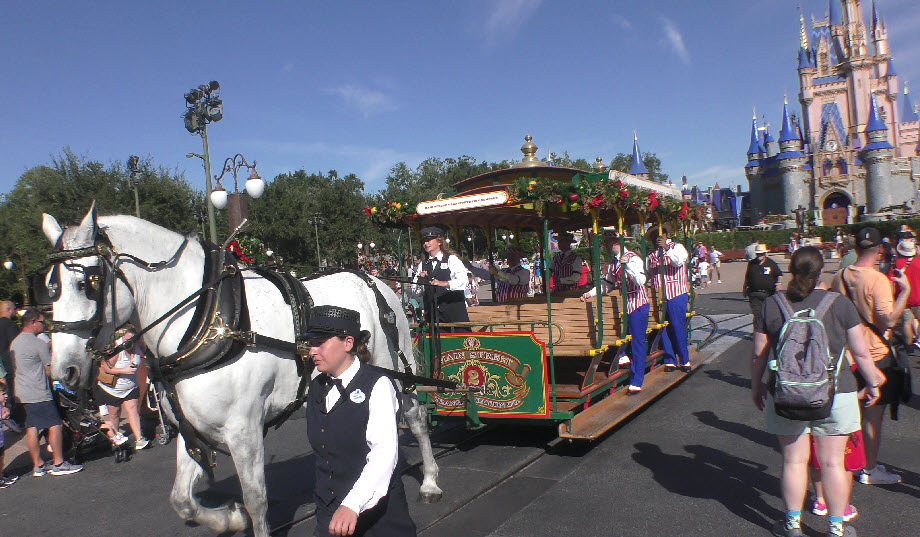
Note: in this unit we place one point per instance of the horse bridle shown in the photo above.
(95, 281)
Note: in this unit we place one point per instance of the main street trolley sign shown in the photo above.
(510, 367)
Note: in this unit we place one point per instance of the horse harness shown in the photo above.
(220, 328)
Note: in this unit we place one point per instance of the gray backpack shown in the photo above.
(805, 373)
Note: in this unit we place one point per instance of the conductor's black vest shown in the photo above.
(451, 304)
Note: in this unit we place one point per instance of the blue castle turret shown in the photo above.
(636, 167)
(876, 155)
(790, 163)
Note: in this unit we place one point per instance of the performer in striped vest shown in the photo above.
(672, 268)
(566, 266)
(510, 283)
(637, 304)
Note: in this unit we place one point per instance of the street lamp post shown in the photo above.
(8, 265)
(316, 220)
(472, 246)
(204, 106)
(133, 181)
(255, 186)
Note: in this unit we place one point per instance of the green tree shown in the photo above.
(67, 188)
(652, 163)
(566, 161)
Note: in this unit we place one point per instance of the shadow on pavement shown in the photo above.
(709, 473)
(747, 432)
(732, 378)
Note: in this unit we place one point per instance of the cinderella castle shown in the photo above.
(852, 154)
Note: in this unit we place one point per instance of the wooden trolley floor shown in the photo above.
(604, 415)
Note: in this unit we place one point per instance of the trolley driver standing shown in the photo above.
(357, 491)
(446, 277)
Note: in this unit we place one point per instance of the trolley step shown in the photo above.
(613, 410)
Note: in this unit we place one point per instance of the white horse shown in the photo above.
(229, 404)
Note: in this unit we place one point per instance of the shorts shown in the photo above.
(42, 415)
(105, 398)
(845, 418)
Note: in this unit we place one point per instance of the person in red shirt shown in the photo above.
(906, 263)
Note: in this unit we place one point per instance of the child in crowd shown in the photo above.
(5, 480)
(703, 267)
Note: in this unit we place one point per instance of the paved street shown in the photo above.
(697, 462)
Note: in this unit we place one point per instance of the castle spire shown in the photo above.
(636, 167)
(874, 16)
(875, 123)
(788, 132)
(803, 35)
(754, 149)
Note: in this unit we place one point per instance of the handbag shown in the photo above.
(107, 379)
(854, 454)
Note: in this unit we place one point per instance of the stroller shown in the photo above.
(82, 424)
(152, 406)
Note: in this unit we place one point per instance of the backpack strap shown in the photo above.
(784, 306)
(825, 304)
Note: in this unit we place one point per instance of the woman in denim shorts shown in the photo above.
(844, 329)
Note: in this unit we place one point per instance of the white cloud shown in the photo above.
(675, 40)
(621, 21)
(366, 100)
(506, 18)
(287, 67)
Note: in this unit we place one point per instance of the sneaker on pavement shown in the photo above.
(65, 468)
(38, 471)
(141, 443)
(632, 390)
(780, 530)
(878, 476)
(848, 531)
(4, 482)
(819, 508)
(720, 281)
(12, 478)
(624, 360)
(916, 343)
(119, 439)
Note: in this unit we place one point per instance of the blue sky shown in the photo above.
(360, 86)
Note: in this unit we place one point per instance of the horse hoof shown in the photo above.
(429, 497)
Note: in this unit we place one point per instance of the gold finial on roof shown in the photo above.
(599, 166)
(530, 151)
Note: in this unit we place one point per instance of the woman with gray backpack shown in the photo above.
(802, 335)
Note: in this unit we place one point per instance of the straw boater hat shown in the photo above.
(761, 249)
(907, 248)
(652, 234)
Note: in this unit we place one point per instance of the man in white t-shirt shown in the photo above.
(715, 262)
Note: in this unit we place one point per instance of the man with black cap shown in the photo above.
(566, 266)
(357, 491)
(445, 276)
(871, 293)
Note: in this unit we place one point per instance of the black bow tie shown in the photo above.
(328, 382)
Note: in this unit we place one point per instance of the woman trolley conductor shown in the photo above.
(356, 491)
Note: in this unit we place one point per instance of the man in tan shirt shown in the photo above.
(871, 293)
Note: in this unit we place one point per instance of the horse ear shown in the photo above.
(51, 228)
(89, 221)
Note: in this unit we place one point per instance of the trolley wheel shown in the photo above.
(162, 435)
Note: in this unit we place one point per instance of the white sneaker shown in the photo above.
(720, 281)
(624, 360)
(141, 443)
(878, 476)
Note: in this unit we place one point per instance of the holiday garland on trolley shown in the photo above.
(584, 195)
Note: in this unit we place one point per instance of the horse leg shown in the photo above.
(418, 424)
(184, 503)
(248, 453)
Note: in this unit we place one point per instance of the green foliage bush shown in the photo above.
(737, 240)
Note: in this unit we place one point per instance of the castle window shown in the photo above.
(824, 64)
(827, 168)
(842, 167)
